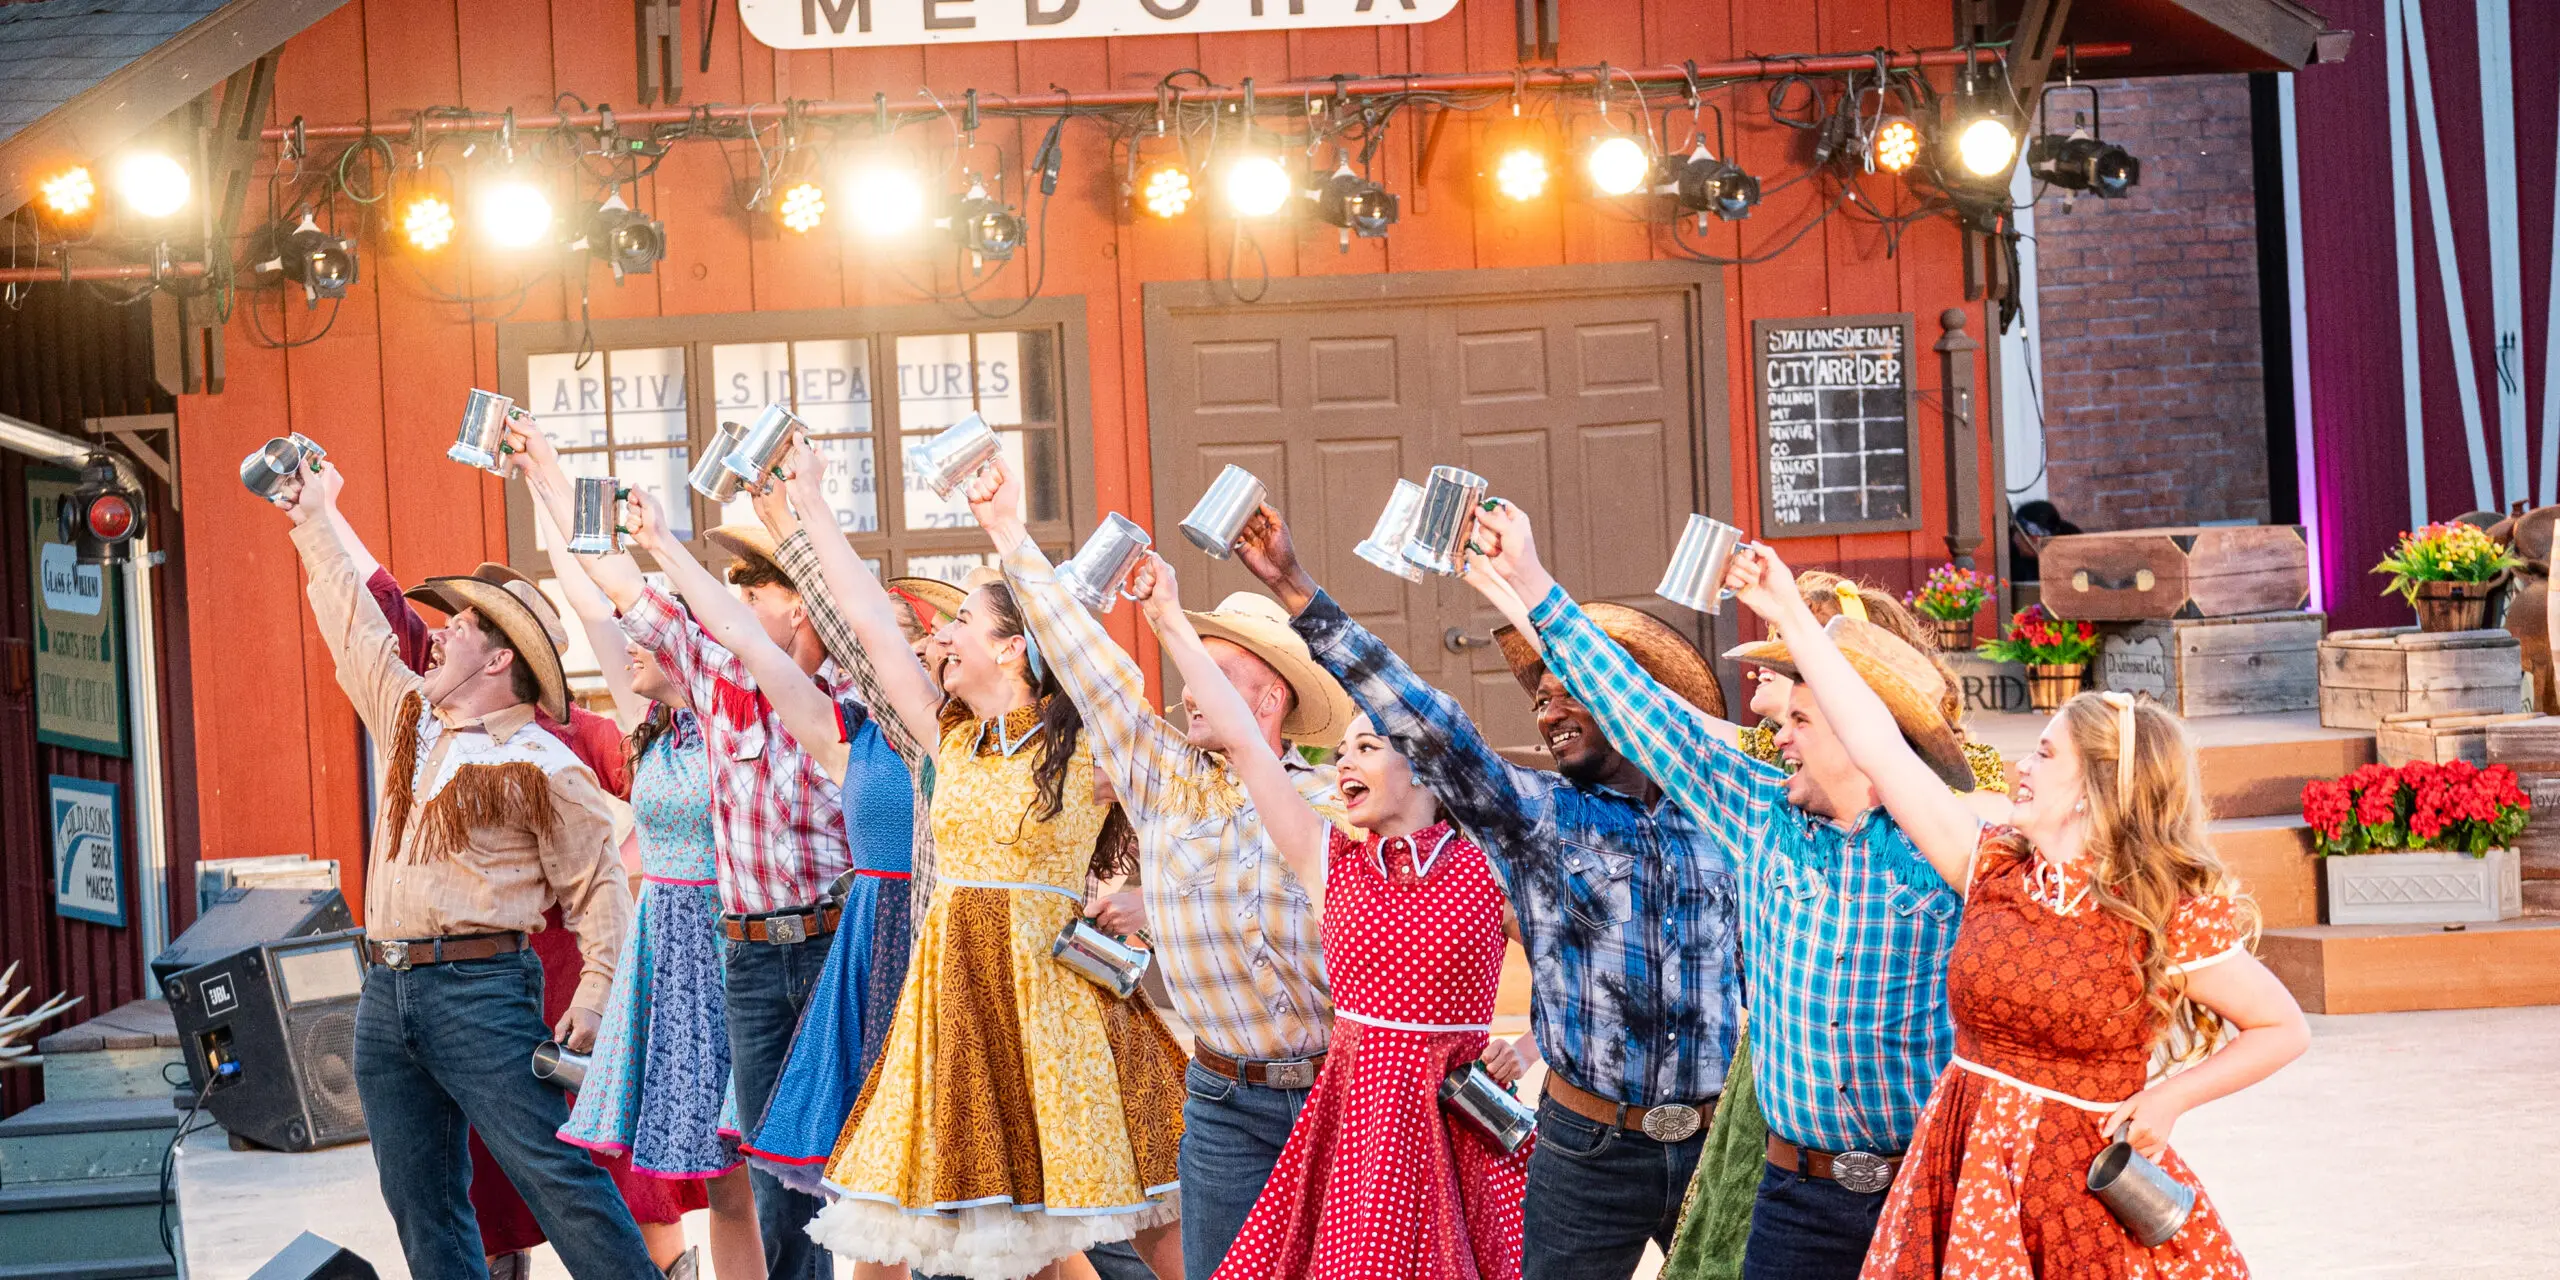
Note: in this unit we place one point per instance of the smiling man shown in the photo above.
(1626, 906)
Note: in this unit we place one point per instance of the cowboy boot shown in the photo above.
(511, 1266)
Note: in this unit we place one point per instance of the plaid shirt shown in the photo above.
(1627, 908)
(1236, 933)
(776, 813)
(1845, 929)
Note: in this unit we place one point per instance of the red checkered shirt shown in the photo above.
(778, 817)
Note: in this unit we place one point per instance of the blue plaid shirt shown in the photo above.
(1845, 929)
(1627, 909)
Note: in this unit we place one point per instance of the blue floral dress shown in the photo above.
(658, 1086)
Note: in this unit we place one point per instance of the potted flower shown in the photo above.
(1949, 599)
(2055, 652)
(2420, 843)
(2447, 572)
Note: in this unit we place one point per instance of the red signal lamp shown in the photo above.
(102, 517)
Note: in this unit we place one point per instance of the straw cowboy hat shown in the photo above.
(518, 611)
(749, 542)
(1657, 646)
(935, 594)
(1261, 625)
(1901, 675)
(490, 571)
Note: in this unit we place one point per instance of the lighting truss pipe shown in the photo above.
(1747, 68)
(132, 271)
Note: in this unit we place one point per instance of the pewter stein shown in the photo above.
(1384, 547)
(1695, 576)
(1221, 512)
(1471, 1093)
(555, 1064)
(710, 476)
(275, 471)
(1099, 958)
(954, 454)
(595, 516)
(2151, 1204)
(759, 451)
(482, 441)
(1098, 574)
(1447, 518)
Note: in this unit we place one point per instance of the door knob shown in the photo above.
(1456, 640)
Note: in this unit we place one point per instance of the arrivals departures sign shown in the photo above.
(844, 24)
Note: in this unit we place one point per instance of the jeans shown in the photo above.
(768, 985)
(1808, 1228)
(1231, 1136)
(447, 1049)
(1597, 1193)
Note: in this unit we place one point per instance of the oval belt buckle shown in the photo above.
(1862, 1171)
(1671, 1122)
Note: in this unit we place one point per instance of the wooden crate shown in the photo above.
(2439, 737)
(2187, 572)
(1987, 685)
(2253, 662)
(2368, 675)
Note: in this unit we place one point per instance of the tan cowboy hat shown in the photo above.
(1261, 625)
(937, 595)
(495, 574)
(516, 609)
(747, 542)
(1901, 675)
(1657, 646)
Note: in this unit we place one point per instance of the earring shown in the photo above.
(2080, 809)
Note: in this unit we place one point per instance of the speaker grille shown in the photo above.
(323, 1043)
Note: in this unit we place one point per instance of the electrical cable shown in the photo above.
(169, 1154)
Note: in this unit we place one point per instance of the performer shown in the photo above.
(1845, 926)
(483, 821)
(1017, 1113)
(1626, 904)
(779, 821)
(2100, 934)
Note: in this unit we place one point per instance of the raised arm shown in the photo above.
(361, 644)
(617, 575)
(595, 618)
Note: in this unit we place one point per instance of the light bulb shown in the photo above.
(1986, 146)
(69, 194)
(1618, 165)
(155, 185)
(1897, 144)
(1521, 174)
(513, 213)
(803, 207)
(1256, 186)
(886, 200)
(427, 222)
(1167, 193)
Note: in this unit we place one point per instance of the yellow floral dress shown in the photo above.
(1017, 1113)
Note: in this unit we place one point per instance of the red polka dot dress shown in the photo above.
(1378, 1182)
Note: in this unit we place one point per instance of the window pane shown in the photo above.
(833, 385)
(934, 385)
(1038, 374)
(646, 388)
(568, 400)
(747, 376)
(953, 568)
(926, 510)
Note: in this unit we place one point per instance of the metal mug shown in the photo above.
(954, 454)
(1098, 574)
(710, 476)
(1446, 519)
(595, 516)
(1099, 958)
(1471, 1093)
(1695, 576)
(1221, 512)
(1384, 547)
(555, 1064)
(2151, 1204)
(482, 440)
(275, 470)
(753, 459)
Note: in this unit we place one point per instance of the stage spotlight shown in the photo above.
(154, 185)
(886, 199)
(1521, 174)
(1985, 146)
(67, 203)
(511, 211)
(804, 206)
(1355, 204)
(2080, 162)
(303, 254)
(986, 227)
(629, 241)
(1617, 165)
(1256, 186)
(427, 223)
(1166, 192)
(1704, 184)
(1896, 145)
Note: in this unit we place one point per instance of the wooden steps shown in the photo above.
(2395, 968)
(2272, 856)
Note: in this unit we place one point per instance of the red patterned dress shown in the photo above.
(1377, 1181)
(2051, 1033)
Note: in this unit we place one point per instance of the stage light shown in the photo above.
(1617, 165)
(71, 193)
(886, 199)
(629, 241)
(1355, 204)
(2081, 162)
(1521, 174)
(1986, 146)
(510, 211)
(303, 254)
(986, 227)
(1167, 191)
(1256, 186)
(426, 222)
(804, 206)
(1704, 184)
(154, 185)
(1896, 145)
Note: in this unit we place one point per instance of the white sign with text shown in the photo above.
(846, 24)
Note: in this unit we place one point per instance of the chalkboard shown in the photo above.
(1836, 407)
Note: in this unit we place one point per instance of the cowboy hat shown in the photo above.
(516, 610)
(495, 574)
(935, 594)
(1260, 625)
(1901, 675)
(749, 542)
(1657, 646)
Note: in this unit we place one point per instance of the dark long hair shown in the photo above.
(645, 734)
(1060, 722)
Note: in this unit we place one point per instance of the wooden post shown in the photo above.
(1955, 408)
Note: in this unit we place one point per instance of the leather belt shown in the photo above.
(1670, 1122)
(1293, 1073)
(1864, 1172)
(409, 953)
(798, 924)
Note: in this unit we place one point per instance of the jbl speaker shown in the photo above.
(273, 1027)
(311, 1258)
(242, 918)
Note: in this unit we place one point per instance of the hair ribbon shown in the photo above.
(1851, 604)
(2123, 703)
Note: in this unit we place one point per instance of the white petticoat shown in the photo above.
(982, 1242)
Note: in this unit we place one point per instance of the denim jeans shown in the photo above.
(1231, 1136)
(1597, 1193)
(443, 1050)
(1808, 1228)
(768, 985)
